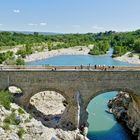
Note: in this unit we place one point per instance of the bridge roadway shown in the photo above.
(69, 68)
(78, 84)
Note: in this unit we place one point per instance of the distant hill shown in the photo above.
(29, 32)
(41, 33)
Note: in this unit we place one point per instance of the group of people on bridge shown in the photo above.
(81, 67)
(89, 67)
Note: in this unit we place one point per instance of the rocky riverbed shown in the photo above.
(126, 110)
(17, 124)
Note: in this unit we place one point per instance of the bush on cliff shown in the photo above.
(21, 132)
(5, 99)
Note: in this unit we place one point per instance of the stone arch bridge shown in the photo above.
(77, 84)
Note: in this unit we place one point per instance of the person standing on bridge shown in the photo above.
(89, 67)
(95, 66)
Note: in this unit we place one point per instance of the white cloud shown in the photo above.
(95, 27)
(32, 24)
(16, 11)
(43, 24)
(76, 26)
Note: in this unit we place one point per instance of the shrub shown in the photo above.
(119, 50)
(11, 119)
(30, 116)
(10, 62)
(20, 61)
(22, 53)
(5, 99)
(7, 120)
(6, 126)
(21, 111)
(21, 132)
(13, 110)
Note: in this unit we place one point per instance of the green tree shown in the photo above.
(137, 46)
(20, 61)
(119, 51)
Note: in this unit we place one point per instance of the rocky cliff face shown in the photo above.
(17, 124)
(126, 108)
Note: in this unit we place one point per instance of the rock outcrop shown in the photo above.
(48, 107)
(17, 124)
(126, 108)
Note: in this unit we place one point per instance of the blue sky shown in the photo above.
(69, 16)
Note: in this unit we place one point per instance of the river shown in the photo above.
(102, 126)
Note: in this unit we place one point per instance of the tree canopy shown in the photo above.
(121, 42)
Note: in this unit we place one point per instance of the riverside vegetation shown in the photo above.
(27, 44)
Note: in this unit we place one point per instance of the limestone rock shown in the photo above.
(13, 136)
(126, 109)
(1, 131)
(32, 128)
(13, 89)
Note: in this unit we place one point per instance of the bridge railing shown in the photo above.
(55, 68)
(37, 67)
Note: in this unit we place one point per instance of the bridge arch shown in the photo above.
(48, 107)
(94, 94)
(38, 90)
(98, 118)
(29, 92)
(69, 117)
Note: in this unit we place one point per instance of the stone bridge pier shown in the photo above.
(78, 87)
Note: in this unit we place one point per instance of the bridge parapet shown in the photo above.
(68, 68)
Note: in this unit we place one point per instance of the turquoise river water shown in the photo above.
(102, 126)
